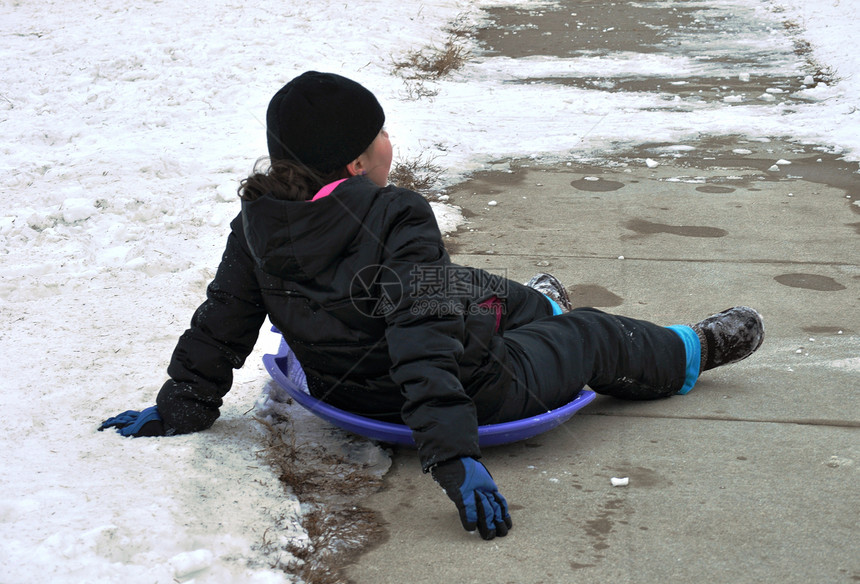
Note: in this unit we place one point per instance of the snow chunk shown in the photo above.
(838, 461)
(679, 148)
(77, 209)
(187, 563)
(6, 224)
(114, 256)
(226, 193)
(448, 217)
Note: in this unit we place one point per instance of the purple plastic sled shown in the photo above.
(489, 435)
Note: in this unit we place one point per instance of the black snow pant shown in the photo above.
(551, 358)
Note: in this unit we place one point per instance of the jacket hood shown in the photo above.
(296, 240)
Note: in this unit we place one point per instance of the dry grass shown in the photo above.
(416, 174)
(415, 89)
(423, 66)
(802, 48)
(432, 62)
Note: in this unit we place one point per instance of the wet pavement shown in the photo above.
(753, 184)
(738, 57)
(752, 476)
(729, 482)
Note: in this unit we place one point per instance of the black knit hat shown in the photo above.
(322, 120)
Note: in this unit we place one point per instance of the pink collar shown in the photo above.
(326, 190)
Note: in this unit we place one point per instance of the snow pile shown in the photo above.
(125, 131)
(832, 31)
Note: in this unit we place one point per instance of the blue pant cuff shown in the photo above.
(693, 347)
(556, 309)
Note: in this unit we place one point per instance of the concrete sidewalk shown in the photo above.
(753, 476)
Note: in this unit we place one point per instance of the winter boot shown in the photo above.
(549, 285)
(729, 336)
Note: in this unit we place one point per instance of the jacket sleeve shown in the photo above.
(425, 333)
(222, 334)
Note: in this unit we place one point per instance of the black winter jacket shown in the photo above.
(360, 285)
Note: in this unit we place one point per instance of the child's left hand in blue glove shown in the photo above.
(136, 424)
(469, 485)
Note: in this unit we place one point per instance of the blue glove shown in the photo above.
(468, 483)
(134, 423)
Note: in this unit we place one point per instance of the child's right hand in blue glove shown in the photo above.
(468, 483)
(133, 423)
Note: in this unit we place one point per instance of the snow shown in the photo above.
(125, 131)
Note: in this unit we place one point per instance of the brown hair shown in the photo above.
(285, 180)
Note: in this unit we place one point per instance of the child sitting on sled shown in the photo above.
(354, 273)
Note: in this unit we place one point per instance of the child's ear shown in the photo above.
(355, 168)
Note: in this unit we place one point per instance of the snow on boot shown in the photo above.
(549, 285)
(729, 336)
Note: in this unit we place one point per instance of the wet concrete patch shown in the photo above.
(732, 162)
(599, 528)
(812, 162)
(825, 330)
(748, 58)
(759, 159)
(587, 27)
(646, 477)
(736, 89)
(714, 189)
(810, 282)
(593, 295)
(596, 184)
(732, 167)
(578, 566)
(744, 160)
(643, 227)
